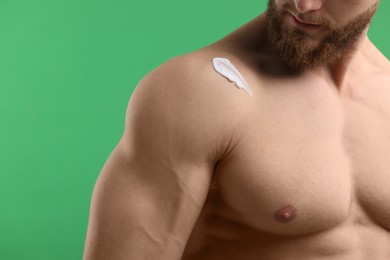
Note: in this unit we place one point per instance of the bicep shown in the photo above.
(140, 211)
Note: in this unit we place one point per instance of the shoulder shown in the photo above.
(194, 74)
(378, 61)
(179, 77)
(181, 104)
(191, 83)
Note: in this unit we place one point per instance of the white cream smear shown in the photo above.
(224, 67)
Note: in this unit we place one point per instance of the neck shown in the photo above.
(342, 70)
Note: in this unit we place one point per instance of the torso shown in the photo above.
(304, 145)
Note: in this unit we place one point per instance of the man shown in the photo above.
(293, 164)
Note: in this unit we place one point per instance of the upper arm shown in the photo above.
(154, 184)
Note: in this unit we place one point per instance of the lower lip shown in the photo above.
(305, 26)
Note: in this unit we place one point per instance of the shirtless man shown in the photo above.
(294, 164)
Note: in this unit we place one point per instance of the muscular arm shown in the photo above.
(154, 184)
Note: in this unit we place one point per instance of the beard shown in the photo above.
(295, 48)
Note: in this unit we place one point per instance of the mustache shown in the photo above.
(307, 17)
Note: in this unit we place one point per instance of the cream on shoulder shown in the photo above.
(224, 67)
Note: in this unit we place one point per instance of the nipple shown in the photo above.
(286, 214)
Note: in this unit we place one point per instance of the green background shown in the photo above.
(67, 71)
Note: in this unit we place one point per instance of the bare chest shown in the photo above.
(304, 159)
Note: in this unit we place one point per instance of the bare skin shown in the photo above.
(298, 170)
